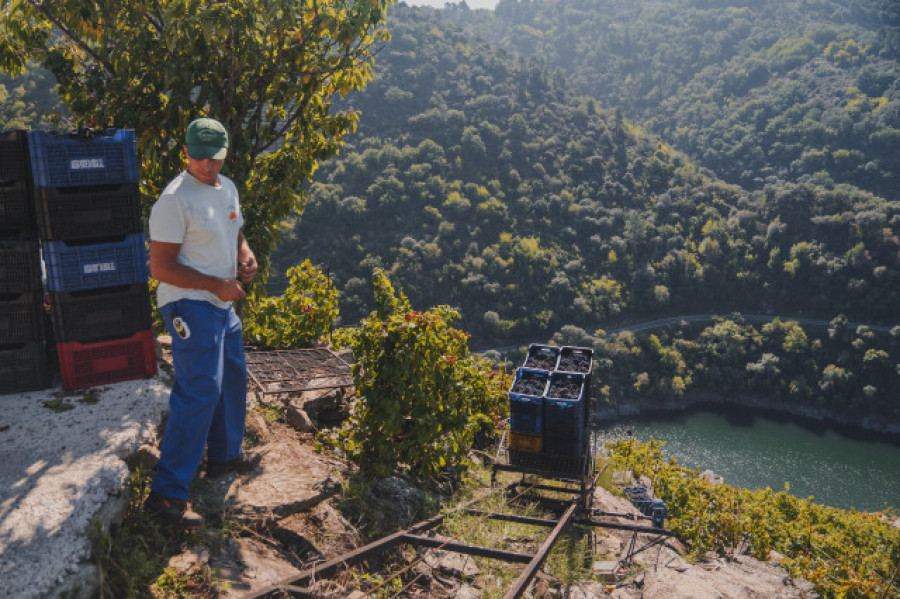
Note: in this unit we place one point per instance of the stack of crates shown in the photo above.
(552, 422)
(23, 356)
(89, 216)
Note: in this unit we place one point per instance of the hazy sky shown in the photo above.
(440, 3)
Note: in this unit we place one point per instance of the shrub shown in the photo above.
(423, 397)
(297, 318)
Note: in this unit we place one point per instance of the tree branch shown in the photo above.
(71, 35)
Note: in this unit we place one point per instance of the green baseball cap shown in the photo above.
(206, 138)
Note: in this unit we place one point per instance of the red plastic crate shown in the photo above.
(90, 364)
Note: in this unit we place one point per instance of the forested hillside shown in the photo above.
(29, 101)
(760, 91)
(482, 180)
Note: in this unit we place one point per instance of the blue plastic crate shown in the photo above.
(564, 414)
(78, 266)
(101, 158)
(526, 414)
(526, 401)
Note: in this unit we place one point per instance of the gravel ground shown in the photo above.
(59, 468)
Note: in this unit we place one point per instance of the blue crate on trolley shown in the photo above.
(580, 360)
(75, 266)
(526, 407)
(87, 158)
(564, 414)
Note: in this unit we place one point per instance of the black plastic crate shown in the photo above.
(14, 155)
(550, 464)
(99, 314)
(86, 158)
(20, 265)
(544, 357)
(576, 359)
(23, 367)
(73, 213)
(21, 317)
(16, 207)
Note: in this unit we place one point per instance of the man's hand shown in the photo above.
(230, 290)
(247, 269)
(247, 265)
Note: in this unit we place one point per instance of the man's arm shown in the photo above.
(247, 265)
(164, 267)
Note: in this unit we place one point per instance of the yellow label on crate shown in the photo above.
(525, 442)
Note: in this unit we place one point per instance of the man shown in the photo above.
(200, 256)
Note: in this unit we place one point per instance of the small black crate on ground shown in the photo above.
(13, 155)
(76, 213)
(20, 264)
(23, 367)
(21, 317)
(16, 207)
(97, 314)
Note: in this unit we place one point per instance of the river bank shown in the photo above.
(848, 424)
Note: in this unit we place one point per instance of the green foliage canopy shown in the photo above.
(270, 70)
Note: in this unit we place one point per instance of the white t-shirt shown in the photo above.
(205, 220)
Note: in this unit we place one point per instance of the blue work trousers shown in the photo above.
(208, 403)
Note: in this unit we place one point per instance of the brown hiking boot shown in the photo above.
(240, 465)
(173, 511)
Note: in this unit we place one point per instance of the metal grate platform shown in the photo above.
(293, 370)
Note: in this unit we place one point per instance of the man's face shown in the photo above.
(205, 170)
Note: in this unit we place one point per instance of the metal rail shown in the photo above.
(294, 586)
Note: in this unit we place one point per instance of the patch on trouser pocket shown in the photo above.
(181, 327)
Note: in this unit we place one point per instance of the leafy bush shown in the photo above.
(303, 314)
(423, 397)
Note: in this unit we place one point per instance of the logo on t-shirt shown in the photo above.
(232, 213)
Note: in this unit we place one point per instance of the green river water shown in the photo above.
(751, 450)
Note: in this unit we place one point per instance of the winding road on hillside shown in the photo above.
(662, 322)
